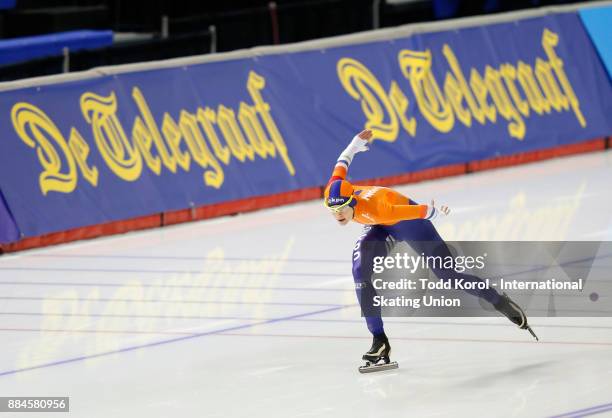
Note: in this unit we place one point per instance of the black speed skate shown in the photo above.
(514, 313)
(377, 358)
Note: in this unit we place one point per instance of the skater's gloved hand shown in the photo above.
(358, 144)
(360, 141)
(433, 211)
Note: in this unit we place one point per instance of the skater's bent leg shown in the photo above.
(371, 243)
(422, 236)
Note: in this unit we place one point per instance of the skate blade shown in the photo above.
(533, 333)
(371, 368)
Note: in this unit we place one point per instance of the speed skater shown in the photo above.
(390, 217)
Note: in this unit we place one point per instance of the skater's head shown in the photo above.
(339, 199)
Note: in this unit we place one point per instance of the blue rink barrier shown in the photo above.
(31, 47)
(8, 228)
(120, 146)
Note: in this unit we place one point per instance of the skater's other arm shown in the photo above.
(389, 213)
(358, 144)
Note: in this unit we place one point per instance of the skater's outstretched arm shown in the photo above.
(358, 144)
(389, 213)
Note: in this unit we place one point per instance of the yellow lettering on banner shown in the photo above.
(199, 150)
(80, 150)
(529, 85)
(480, 91)
(248, 132)
(38, 131)
(255, 84)
(416, 67)
(504, 105)
(173, 136)
(118, 153)
(508, 91)
(146, 134)
(400, 104)
(255, 133)
(144, 141)
(549, 85)
(226, 120)
(549, 41)
(362, 85)
(453, 63)
(455, 97)
(508, 72)
(207, 117)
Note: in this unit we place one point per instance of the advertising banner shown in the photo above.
(132, 144)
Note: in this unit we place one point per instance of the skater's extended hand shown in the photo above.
(433, 211)
(360, 141)
(443, 210)
(366, 134)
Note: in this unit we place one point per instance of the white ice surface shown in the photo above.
(255, 315)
